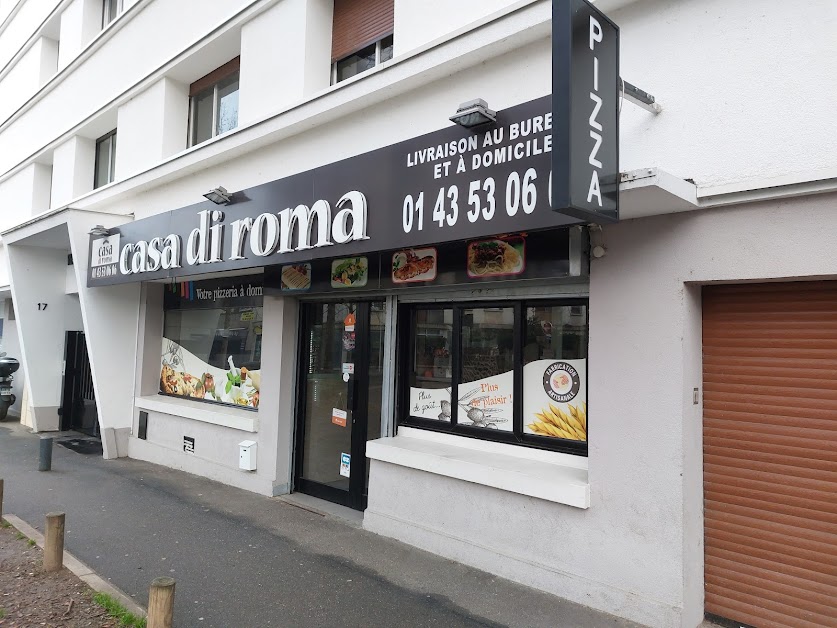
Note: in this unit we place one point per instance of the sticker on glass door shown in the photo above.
(345, 465)
(338, 417)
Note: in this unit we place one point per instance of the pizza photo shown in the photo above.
(181, 384)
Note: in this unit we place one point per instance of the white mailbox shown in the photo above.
(247, 455)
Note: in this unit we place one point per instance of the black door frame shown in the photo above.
(68, 381)
(72, 399)
(357, 400)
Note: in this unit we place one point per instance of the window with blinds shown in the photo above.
(361, 36)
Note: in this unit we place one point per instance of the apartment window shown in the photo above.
(110, 9)
(213, 103)
(511, 371)
(105, 160)
(361, 36)
(362, 60)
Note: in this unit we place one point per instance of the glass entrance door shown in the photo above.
(339, 408)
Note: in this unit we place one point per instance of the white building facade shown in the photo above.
(435, 361)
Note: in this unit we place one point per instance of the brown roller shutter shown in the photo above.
(358, 23)
(770, 453)
(218, 74)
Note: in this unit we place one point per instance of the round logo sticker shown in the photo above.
(561, 382)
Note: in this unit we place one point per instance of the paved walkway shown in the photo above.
(242, 560)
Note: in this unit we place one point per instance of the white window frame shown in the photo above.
(111, 139)
(107, 18)
(378, 48)
(215, 108)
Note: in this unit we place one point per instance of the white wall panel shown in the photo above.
(81, 21)
(151, 126)
(285, 56)
(72, 170)
(746, 88)
(39, 278)
(25, 194)
(418, 22)
(21, 27)
(119, 64)
(26, 76)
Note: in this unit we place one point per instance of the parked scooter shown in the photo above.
(7, 367)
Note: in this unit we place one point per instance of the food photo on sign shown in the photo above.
(414, 265)
(351, 272)
(496, 257)
(296, 277)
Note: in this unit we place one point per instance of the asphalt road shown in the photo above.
(242, 560)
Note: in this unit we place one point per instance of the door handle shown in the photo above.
(350, 397)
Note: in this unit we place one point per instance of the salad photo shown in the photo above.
(351, 272)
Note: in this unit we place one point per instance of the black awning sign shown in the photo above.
(585, 93)
(451, 185)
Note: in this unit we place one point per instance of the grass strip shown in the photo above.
(117, 611)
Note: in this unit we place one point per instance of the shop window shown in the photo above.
(213, 103)
(513, 372)
(361, 36)
(110, 10)
(212, 341)
(105, 168)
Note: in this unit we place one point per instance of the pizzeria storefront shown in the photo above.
(432, 290)
(427, 285)
(438, 357)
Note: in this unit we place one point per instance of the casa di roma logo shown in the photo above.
(561, 382)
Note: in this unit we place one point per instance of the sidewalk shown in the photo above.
(242, 560)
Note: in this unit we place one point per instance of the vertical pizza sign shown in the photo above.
(585, 103)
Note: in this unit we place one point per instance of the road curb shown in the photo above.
(82, 571)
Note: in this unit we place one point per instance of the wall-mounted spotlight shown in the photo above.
(473, 113)
(99, 230)
(219, 196)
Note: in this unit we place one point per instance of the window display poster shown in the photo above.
(555, 399)
(183, 374)
(430, 403)
(211, 345)
(487, 402)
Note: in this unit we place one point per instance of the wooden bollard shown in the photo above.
(161, 603)
(54, 542)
